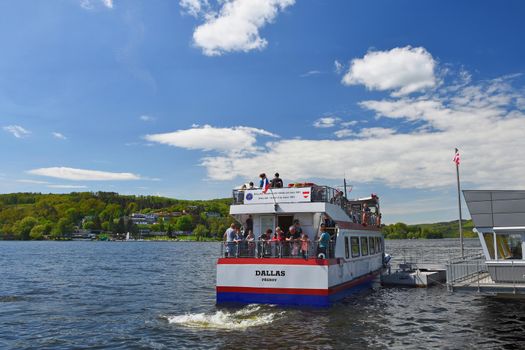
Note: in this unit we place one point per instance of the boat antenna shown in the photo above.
(344, 183)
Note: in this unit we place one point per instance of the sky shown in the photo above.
(188, 99)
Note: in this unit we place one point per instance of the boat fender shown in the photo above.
(321, 256)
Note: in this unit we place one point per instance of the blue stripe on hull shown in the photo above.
(278, 299)
(290, 299)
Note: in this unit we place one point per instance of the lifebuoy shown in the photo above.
(321, 256)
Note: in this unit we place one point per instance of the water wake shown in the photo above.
(249, 316)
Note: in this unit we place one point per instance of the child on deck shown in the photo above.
(305, 242)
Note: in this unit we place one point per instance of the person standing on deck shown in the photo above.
(298, 227)
(277, 182)
(263, 180)
(248, 226)
(324, 241)
(229, 238)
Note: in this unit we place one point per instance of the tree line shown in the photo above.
(25, 216)
(428, 231)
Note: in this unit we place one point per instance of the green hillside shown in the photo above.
(25, 216)
(437, 230)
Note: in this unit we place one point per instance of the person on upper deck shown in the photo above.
(277, 182)
(251, 187)
(263, 180)
(366, 215)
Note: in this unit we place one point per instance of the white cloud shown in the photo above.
(235, 27)
(410, 145)
(310, 73)
(193, 7)
(90, 4)
(236, 140)
(17, 131)
(349, 123)
(67, 186)
(344, 133)
(338, 67)
(375, 132)
(146, 118)
(58, 135)
(403, 69)
(326, 122)
(82, 174)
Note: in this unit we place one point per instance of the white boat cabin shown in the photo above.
(354, 225)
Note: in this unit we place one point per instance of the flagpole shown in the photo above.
(459, 206)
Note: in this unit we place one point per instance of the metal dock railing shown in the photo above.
(474, 276)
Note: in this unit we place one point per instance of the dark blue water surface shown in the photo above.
(161, 295)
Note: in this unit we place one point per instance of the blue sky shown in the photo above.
(190, 98)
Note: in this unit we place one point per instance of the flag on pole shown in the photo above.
(265, 185)
(456, 157)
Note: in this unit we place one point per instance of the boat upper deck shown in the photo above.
(363, 213)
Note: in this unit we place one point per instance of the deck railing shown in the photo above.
(326, 194)
(435, 256)
(461, 271)
(275, 249)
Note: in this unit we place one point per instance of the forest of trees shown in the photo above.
(35, 216)
(438, 230)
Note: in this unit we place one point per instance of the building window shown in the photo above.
(509, 246)
(347, 248)
(354, 242)
(364, 246)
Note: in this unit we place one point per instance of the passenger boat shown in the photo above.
(276, 272)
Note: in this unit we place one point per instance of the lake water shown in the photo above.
(161, 295)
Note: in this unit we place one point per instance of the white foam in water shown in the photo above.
(250, 316)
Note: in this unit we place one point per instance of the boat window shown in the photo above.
(347, 248)
(267, 223)
(378, 245)
(364, 245)
(355, 246)
(372, 245)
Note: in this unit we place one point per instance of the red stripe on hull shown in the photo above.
(272, 290)
(276, 261)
